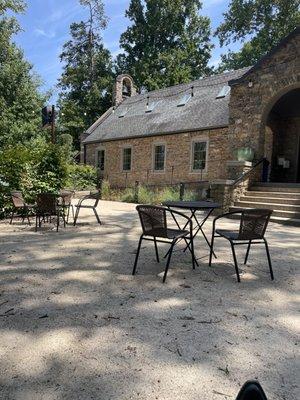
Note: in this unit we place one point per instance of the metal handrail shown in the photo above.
(249, 172)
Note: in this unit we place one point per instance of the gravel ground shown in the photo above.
(74, 323)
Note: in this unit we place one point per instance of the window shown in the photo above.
(127, 158)
(159, 157)
(152, 105)
(184, 100)
(101, 159)
(199, 155)
(223, 92)
(123, 112)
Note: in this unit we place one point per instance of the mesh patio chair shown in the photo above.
(47, 206)
(155, 228)
(253, 225)
(92, 196)
(251, 390)
(20, 208)
(65, 202)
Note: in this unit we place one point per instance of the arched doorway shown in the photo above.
(282, 138)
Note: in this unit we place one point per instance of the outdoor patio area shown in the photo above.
(75, 324)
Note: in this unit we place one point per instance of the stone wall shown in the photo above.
(178, 158)
(253, 97)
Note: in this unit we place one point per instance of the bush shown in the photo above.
(33, 168)
(81, 177)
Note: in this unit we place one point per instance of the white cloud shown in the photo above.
(42, 32)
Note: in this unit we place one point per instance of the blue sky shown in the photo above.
(46, 28)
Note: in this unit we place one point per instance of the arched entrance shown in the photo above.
(282, 138)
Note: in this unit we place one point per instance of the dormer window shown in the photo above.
(123, 112)
(223, 92)
(184, 100)
(152, 106)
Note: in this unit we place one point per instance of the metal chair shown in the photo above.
(253, 225)
(92, 196)
(154, 225)
(251, 390)
(47, 206)
(65, 202)
(20, 208)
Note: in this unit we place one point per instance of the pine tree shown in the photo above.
(86, 81)
(260, 24)
(167, 43)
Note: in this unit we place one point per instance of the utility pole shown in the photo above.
(53, 138)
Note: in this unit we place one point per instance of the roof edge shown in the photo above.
(103, 117)
(282, 42)
(86, 141)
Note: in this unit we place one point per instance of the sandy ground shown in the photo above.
(74, 323)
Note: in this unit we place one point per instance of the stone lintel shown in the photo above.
(239, 163)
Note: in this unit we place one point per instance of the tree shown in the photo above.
(20, 100)
(168, 43)
(260, 24)
(86, 81)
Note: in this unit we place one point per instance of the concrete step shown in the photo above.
(276, 187)
(276, 213)
(286, 220)
(272, 206)
(270, 194)
(271, 200)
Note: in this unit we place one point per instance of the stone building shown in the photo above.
(195, 131)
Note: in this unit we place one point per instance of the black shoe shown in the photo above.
(251, 390)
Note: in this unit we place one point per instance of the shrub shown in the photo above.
(35, 167)
(81, 177)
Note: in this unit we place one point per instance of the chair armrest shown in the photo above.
(223, 216)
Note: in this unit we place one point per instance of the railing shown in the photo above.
(263, 161)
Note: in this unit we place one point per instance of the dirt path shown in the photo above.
(74, 323)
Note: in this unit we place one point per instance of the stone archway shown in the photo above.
(281, 125)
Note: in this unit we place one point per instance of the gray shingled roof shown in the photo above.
(201, 112)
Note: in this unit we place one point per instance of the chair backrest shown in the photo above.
(46, 203)
(17, 199)
(66, 197)
(95, 196)
(152, 218)
(254, 223)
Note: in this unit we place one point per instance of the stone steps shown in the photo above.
(282, 198)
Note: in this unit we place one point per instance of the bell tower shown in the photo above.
(124, 87)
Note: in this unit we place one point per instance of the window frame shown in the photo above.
(156, 144)
(192, 152)
(122, 158)
(102, 148)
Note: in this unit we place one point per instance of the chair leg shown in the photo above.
(211, 248)
(36, 223)
(96, 215)
(73, 214)
(137, 255)
(168, 261)
(76, 215)
(193, 253)
(11, 218)
(235, 262)
(247, 253)
(57, 223)
(269, 259)
(156, 250)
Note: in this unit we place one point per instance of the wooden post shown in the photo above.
(136, 191)
(181, 191)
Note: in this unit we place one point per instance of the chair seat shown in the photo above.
(84, 206)
(234, 235)
(167, 233)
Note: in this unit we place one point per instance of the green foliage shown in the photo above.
(81, 177)
(86, 81)
(167, 42)
(33, 168)
(20, 101)
(261, 24)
